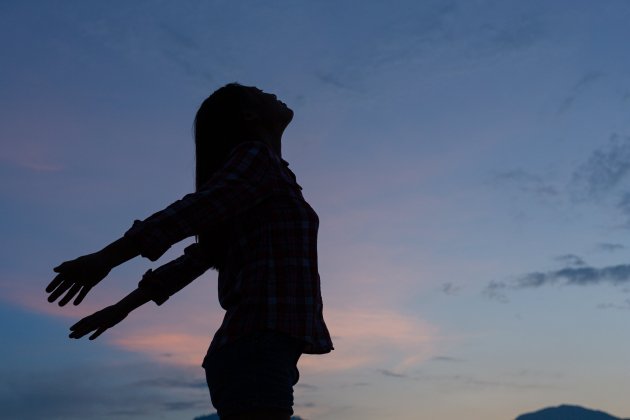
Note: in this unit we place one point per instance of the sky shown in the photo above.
(469, 161)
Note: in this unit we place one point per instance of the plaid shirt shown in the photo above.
(270, 278)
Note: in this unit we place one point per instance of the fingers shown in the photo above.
(77, 327)
(60, 267)
(82, 295)
(78, 332)
(71, 293)
(82, 327)
(53, 284)
(98, 332)
(65, 285)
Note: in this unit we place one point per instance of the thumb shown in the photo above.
(59, 268)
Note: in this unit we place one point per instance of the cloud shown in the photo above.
(30, 155)
(179, 332)
(605, 169)
(623, 306)
(580, 276)
(432, 36)
(387, 372)
(28, 293)
(450, 289)
(570, 260)
(183, 49)
(362, 338)
(185, 348)
(516, 33)
(578, 88)
(609, 247)
(568, 276)
(373, 337)
(472, 381)
(495, 290)
(446, 359)
(183, 405)
(310, 387)
(526, 182)
(486, 383)
(94, 391)
(175, 333)
(172, 383)
(332, 80)
(623, 204)
(601, 177)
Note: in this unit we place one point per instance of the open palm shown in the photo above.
(77, 277)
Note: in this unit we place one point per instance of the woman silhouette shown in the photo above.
(254, 227)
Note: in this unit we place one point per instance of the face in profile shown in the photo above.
(271, 111)
(235, 112)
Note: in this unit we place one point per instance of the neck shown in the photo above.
(271, 136)
(273, 140)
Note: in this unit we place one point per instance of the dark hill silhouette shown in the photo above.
(568, 412)
(214, 416)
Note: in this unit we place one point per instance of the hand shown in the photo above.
(77, 277)
(99, 322)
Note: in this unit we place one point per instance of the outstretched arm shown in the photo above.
(237, 186)
(156, 285)
(101, 321)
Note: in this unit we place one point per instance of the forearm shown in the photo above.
(119, 252)
(170, 278)
(133, 300)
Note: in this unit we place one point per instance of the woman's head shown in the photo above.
(233, 114)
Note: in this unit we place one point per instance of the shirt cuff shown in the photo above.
(154, 287)
(148, 240)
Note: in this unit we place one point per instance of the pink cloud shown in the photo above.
(31, 155)
(367, 333)
(171, 347)
(374, 337)
(30, 295)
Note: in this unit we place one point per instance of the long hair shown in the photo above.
(219, 126)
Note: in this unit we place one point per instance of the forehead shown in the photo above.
(255, 93)
(254, 90)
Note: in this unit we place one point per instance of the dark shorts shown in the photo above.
(256, 371)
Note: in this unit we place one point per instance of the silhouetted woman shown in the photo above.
(252, 225)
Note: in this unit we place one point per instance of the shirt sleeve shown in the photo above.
(237, 186)
(170, 278)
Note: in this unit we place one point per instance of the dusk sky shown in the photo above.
(469, 161)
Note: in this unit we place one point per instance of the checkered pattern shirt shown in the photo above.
(270, 278)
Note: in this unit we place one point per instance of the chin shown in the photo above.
(286, 115)
(289, 115)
